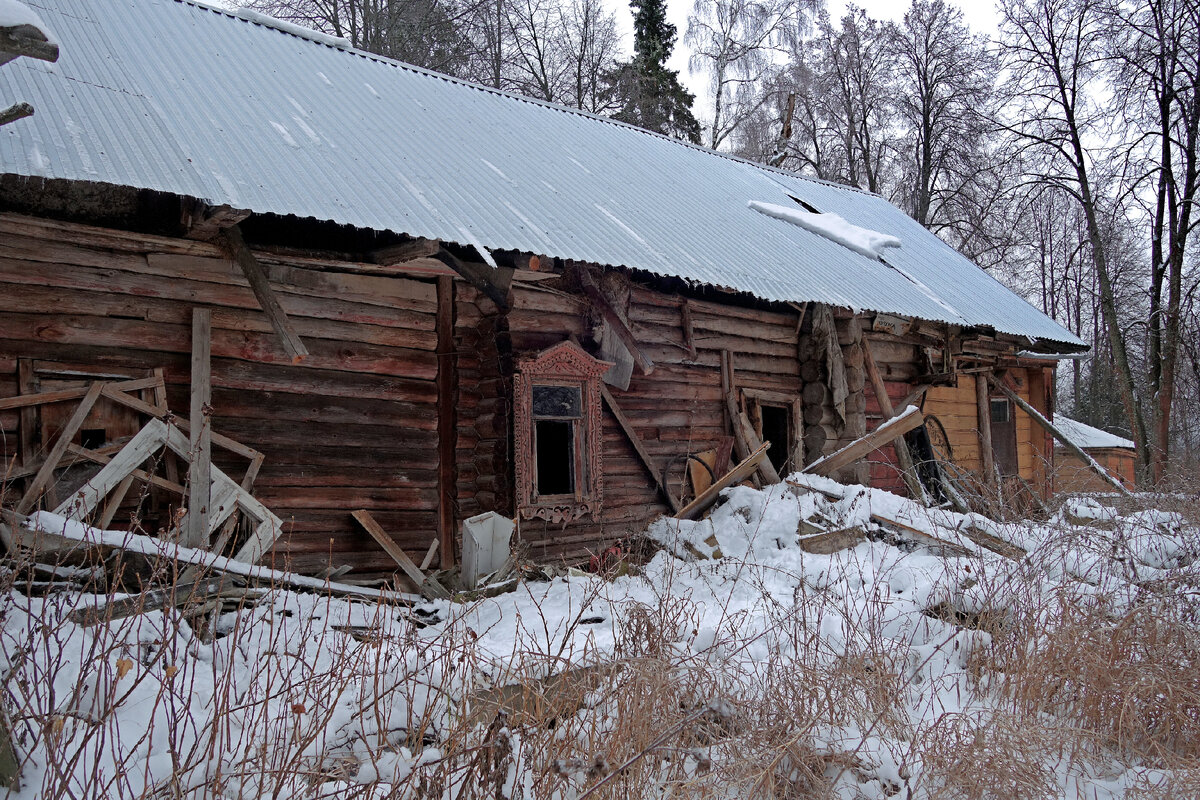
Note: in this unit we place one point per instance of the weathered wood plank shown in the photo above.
(427, 584)
(200, 443)
(709, 496)
(898, 426)
(149, 439)
(41, 481)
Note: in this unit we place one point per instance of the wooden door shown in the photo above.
(1004, 436)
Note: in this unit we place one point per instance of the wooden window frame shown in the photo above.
(754, 399)
(565, 364)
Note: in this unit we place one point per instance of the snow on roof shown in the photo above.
(1085, 436)
(15, 14)
(276, 119)
(866, 242)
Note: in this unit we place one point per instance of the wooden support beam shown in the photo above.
(736, 475)
(429, 555)
(200, 420)
(235, 248)
(426, 584)
(204, 222)
(66, 436)
(903, 456)
(142, 475)
(397, 254)
(154, 600)
(615, 321)
(25, 40)
(15, 112)
(28, 416)
(447, 390)
(897, 426)
(638, 447)
(492, 282)
(983, 411)
(1037, 417)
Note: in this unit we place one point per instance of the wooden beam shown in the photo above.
(983, 412)
(114, 502)
(145, 477)
(24, 401)
(689, 331)
(65, 437)
(200, 420)
(28, 416)
(897, 426)
(426, 584)
(1037, 417)
(25, 40)
(736, 475)
(15, 112)
(903, 457)
(153, 600)
(615, 321)
(638, 447)
(235, 248)
(447, 388)
(396, 254)
(204, 222)
(482, 277)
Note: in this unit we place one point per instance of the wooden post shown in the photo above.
(200, 445)
(28, 416)
(903, 456)
(984, 414)
(1036, 416)
(447, 384)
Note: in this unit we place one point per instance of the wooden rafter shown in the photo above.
(615, 321)
(397, 254)
(235, 248)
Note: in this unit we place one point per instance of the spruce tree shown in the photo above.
(650, 93)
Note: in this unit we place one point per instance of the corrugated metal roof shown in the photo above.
(179, 97)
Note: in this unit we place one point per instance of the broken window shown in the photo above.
(557, 434)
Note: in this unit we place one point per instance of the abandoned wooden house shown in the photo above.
(426, 299)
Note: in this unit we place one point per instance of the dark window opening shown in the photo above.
(555, 456)
(999, 409)
(93, 438)
(776, 425)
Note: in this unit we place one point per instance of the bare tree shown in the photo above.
(736, 42)
(1158, 53)
(591, 47)
(944, 98)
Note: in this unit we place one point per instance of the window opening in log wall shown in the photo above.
(557, 434)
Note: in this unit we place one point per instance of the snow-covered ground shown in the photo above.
(882, 670)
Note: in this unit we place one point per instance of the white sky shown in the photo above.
(981, 16)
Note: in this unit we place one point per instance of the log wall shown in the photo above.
(353, 426)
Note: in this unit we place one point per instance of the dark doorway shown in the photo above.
(555, 443)
(776, 429)
(1004, 436)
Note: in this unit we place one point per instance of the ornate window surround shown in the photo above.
(565, 364)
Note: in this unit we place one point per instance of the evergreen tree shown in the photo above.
(650, 94)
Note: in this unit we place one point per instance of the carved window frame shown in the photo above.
(567, 365)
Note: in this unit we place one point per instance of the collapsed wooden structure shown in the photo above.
(424, 380)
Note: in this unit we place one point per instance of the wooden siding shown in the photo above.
(353, 426)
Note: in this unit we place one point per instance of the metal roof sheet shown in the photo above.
(183, 98)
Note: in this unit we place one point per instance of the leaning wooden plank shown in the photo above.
(65, 437)
(152, 600)
(1037, 417)
(64, 529)
(129, 401)
(114, 501)
(897, 426)
(765, 468)
(427, 584)
(903, 457)
(234, 245)
(638, 447)
(62, 395)
(139, 448)
(428, 560)
(736, 475)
